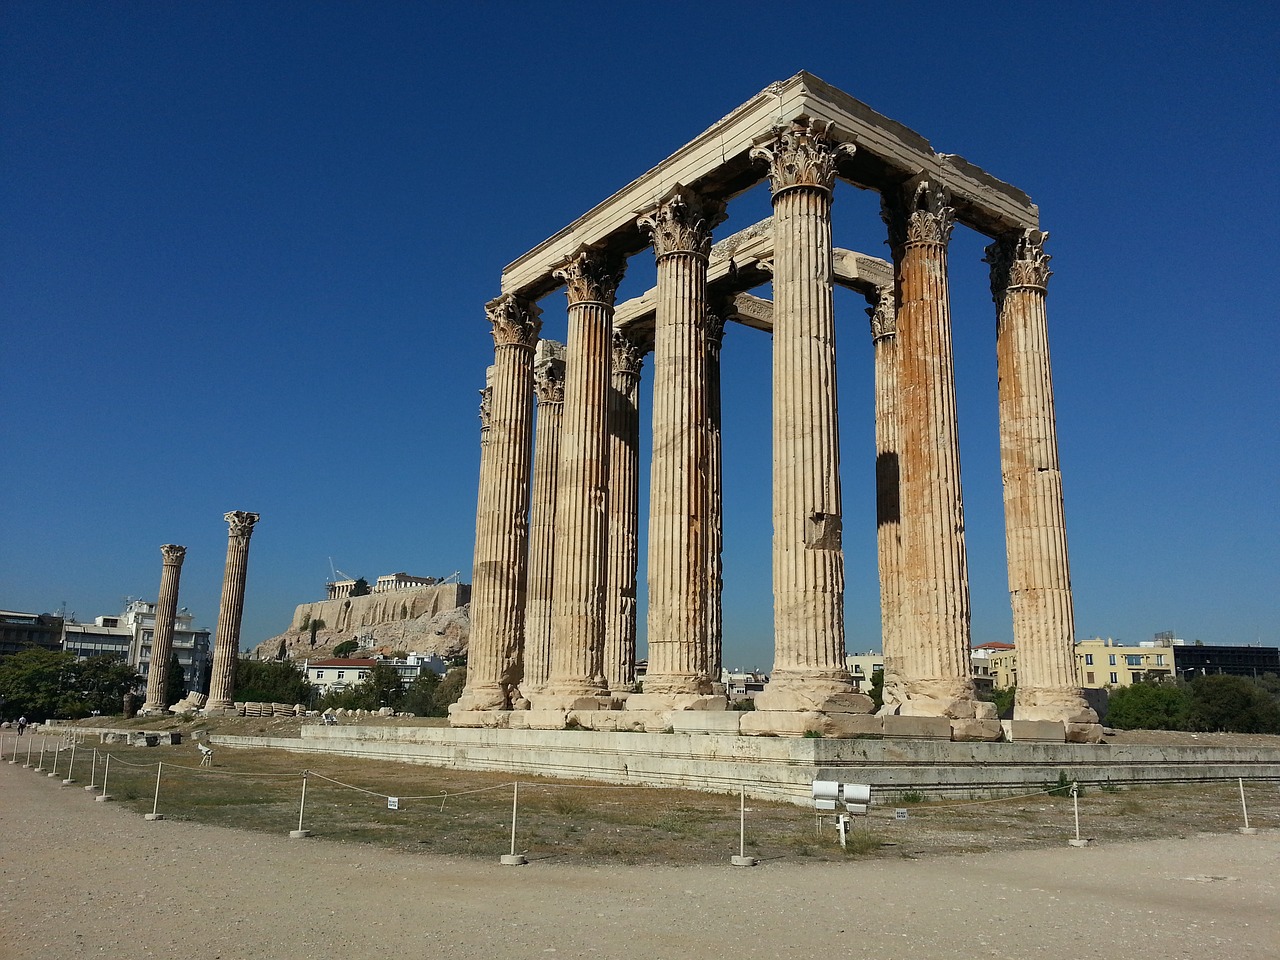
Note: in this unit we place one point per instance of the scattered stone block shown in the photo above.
(1051, 731)
(918, 728)
(706, 721)
(977, 730)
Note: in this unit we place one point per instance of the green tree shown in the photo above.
(271, 681)
(175, 682)
(1149, 706)
(387, 685)
(450, 690)
(419, 698)
(877, 688)
(346, 648)
(1233, 705)
(315, 625)
(1004, 699)
(43, 683)
(360, 588)
(103, 681)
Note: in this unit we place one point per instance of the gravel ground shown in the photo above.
(86, 879)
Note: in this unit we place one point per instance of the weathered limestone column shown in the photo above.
(624, 515)
(935, 581)
(162, 634)
(715, 504)
(226, 643)
(582, 507)
(548, 384)
(1035, 527)
(884, 338)
(502, 529)
(809, 671)
(679, 492)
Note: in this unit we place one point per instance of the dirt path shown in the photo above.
(86, 879)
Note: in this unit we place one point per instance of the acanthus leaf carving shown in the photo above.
(1018, 260)
(884, 315)
(172, 554)
(802, 154)
(548, 381)
(628, 354)
(680, 224)
(920, 213)
(515, 321)
(241, 523)
(591, 276)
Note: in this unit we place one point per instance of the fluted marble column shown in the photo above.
(548, 384)
(935, 580)
(679, 493)
(715, 503)
(582, 507)
(624, 514)
(162, 633)
(226, 644)
(1035, 526)
(884, 338)
(502, 529)
(809, 671)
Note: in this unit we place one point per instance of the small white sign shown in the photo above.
(393, 803)
(899, 813)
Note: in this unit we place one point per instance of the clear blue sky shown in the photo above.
(246, 247)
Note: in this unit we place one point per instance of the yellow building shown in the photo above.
(1101, 663)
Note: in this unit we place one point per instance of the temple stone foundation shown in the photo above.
(554, 611)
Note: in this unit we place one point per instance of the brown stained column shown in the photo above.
(679, 492)
(548, 385)
(162, 634)
(809, 670)
(1035, 526)
(715, 504)
(582, 506)
(935, 657)
(226, 644)
(884, 338)
(498, 585)
(624, 514)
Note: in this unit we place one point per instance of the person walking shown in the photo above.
(22, 725)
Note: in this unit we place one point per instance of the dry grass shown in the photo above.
(469, 813)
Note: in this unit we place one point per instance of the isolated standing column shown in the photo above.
(548, 385)
(162, 634)
(808, 561)
(624, 514)
(935, 662)
(226, 644)
(1035, 525)
(591, 277)
(498, 587)
(715, 502)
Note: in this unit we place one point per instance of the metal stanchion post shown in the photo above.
(300, 833)
(155, 804)
(1246, 829)
(513, 859)
(30, 740)
(106, 769)
(71, 766)
(1075, 804)
(742, 860)
(93, 771)
(40, 765)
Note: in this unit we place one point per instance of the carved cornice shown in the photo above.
(1018, 260)
(592, 276)
(884, 315)
(515, 321)
(803, 154)
(920, 213)
(681, 224)
(628, 355)
(172, 554)
(241, 523)
(548, 381)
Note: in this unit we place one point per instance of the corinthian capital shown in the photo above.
(803, 154)
(681, 224)
(172, 554)
(1018, 260)
(920, 213)
(515, 321)
(884, 315)
(241, 523)
(486, 408)
(548, 380)
(592, 276)
(628, 355)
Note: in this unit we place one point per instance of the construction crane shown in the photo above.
(335, 572)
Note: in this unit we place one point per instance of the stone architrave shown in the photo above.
(498, 575)
(226, 644)
(1035, 526)
(884, 329)
(624, 514)
(582, 505)
(679, 491)
(809, 670)
(715, 504)
(548, 385)
(162, 634)
(935, 668)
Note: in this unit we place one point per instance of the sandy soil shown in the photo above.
(87, 879)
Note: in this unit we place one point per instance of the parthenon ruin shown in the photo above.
(554, 584)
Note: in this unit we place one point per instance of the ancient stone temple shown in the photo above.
(554, 603)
